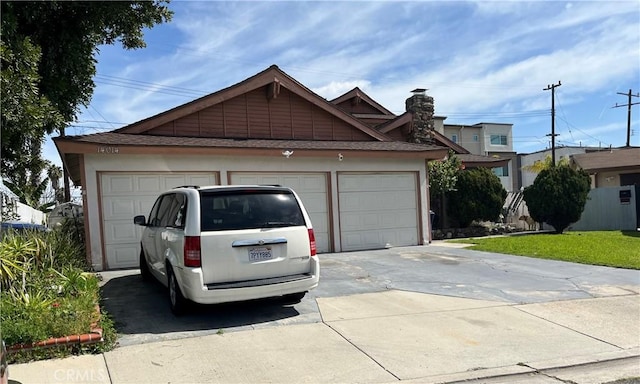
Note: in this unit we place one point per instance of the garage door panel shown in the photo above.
(147, 184)
(123, 255)
(118, 185)
(378, 210)
(121, 231)
(124, 196)
(312, 189)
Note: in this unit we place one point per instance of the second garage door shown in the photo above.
(312, 189)
(378, 210)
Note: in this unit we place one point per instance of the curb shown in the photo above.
(93, 337)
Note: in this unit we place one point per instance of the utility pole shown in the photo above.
(628, 105)
(553, 135)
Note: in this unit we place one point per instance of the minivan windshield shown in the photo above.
(222, 211)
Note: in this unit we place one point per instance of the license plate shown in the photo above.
(259, 254)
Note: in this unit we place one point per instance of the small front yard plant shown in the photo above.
(48, 292)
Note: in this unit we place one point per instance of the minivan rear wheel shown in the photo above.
(176, 299)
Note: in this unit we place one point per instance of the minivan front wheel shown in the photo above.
(144, 267)
(176, 299)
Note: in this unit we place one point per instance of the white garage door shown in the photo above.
(127, 195)
(378, 210)
(312, 189)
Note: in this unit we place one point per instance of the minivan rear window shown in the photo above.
(222, 211)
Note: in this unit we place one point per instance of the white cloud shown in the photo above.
(475, 57)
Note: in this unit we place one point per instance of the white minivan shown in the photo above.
(229, 243)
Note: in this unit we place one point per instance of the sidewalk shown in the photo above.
(388, 337)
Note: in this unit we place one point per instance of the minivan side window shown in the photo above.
(153, 216)
(175, 218)
(164, 210)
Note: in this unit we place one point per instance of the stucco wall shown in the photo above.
(528, 177)
(155, 163)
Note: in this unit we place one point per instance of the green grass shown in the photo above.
(619, 249)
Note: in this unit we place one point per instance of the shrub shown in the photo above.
(479, 195)
(558, 196)
(46, 292)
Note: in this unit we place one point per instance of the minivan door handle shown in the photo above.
(258, 242)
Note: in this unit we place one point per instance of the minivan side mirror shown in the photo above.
(140, 220)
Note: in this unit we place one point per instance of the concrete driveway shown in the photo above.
(142, 314)
(429, 314)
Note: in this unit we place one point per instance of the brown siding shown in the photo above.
(253, 115)
(281, 114)
(397, 134)
(235, 116)
(361, 107)
(322, 126)
(163, 130)
(211, 122)
(301, 117)
(187, 126)
(258, 116)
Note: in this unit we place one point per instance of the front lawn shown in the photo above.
(610, 248)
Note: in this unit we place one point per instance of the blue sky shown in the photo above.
(482, 61)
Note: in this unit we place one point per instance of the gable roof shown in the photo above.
(359, 95)
(315, 127)
(271, 76)
(614, 159)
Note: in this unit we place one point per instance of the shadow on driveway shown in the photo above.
(142, 308)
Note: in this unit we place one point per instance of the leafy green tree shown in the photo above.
(558, 196)
(26, 114)
(479, 195)
(48, 51)
(443, 176)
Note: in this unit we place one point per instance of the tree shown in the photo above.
(479, 195)
(59, 39)
(26, 114)
(558, 196)
(442, 179)
(540, 165)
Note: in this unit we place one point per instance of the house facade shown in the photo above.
(493, 140)
(363, 188)
(612, 167)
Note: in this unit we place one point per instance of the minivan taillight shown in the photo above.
(192, 251)
(312, 242)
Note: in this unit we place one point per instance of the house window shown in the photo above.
(475, 138)
(498, 139)
(454, 138)
(501, 171)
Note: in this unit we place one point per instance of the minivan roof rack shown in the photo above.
(187, 186)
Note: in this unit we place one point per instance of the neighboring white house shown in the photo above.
(486, 139)
(362, 188)
(14, 211)
(526, 160)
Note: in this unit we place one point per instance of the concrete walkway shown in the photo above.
(388, 337)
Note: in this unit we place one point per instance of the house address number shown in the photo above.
(108, 150)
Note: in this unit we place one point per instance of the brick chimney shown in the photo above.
(421, 107)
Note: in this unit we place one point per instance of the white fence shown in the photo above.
(607, 210)
(30, 215)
